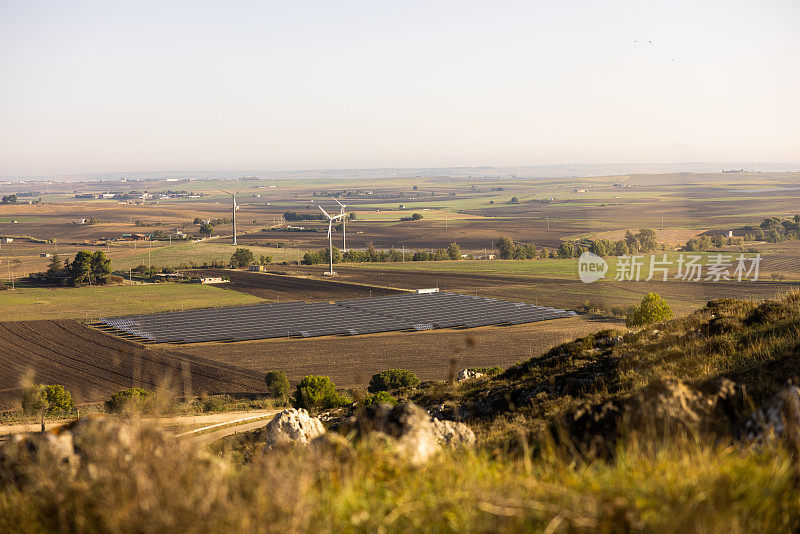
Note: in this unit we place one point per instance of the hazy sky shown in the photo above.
(185, 85)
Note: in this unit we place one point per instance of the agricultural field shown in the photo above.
(547, 283)
(432, 354)
(93, 366)
(91, 302)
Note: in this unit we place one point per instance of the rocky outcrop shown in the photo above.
(291, 427)
(779, 417)
(412, 431)
(80, 445)
(468, 374)
(663, 407)
(453, 434)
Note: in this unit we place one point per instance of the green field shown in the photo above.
(551, 268)
(188, 253)
(92, 302)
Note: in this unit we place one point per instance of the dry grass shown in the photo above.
(155, 484)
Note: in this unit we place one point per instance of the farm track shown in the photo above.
(93, 365)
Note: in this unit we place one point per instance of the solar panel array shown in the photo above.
(346, 317)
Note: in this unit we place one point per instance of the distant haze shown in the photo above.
(93, 87)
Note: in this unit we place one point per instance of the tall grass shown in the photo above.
(138, 480)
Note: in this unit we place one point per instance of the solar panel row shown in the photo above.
(356, 316)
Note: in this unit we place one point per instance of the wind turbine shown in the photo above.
(233, 194)
(330, 238)
(344, 224)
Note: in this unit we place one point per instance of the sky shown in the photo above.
(111, 86)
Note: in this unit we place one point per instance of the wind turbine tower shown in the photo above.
(233, 210)
(330, 238)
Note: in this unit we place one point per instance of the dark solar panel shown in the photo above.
(348, 317)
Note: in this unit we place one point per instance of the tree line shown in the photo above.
(371, 255)
(85, 268)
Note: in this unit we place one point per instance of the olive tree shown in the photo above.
(43, 400)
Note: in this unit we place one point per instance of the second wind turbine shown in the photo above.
(330, 238)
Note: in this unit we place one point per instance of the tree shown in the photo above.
(264, 260)
(514, 200)
(602, 247)
(81, 267)
(454, 251)
(277, 385)
(630, 240)
(42, 400)
(566, 250)
(197, 220)
(206, 229)
(242, 258)
(316, 392)
(647, 240)
(416, 216)
(100, 266)
(621, 248)
(506, 247)
(9, 199)
(653, 309)
(55, 266)
(415, 188)
(392, 379)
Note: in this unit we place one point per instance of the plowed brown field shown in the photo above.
(431, 354)
(93, 366)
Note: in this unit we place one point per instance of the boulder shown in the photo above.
(291, 426)
(467, 374)
(21, 455)
(453, 434)
(779, 417)
(412, 431)
(80, 445)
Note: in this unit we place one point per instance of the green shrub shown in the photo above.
(316, 393)
(217, 403)
(392, 379)
(381, 397)
(131, 400)
(653, 309)
(277, 385)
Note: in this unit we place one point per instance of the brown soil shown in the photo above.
(432, 355)
(93, 366)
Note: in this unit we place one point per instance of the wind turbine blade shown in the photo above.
(323, 211)
(337, 201)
